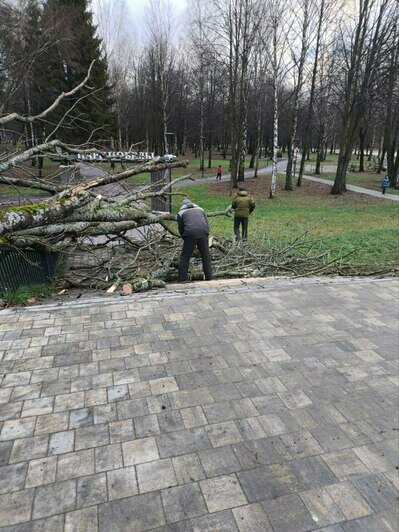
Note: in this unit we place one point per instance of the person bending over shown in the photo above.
(194, 230)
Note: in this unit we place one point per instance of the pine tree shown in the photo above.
(88, 115)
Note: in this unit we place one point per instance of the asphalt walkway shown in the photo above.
(265, 405)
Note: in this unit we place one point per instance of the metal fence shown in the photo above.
(159, 179)
(25, 267)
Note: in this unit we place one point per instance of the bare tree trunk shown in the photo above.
(297, 93)
(305, 144)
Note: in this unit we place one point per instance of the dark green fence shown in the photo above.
(25, 267)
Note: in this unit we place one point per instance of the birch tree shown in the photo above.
(305, 12)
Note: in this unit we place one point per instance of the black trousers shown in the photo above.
(219, 176)
(243, 221)
(189, 245)
(384, 189)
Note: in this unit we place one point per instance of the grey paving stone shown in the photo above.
(289, 514)
(373, 459)
(157, 475)
(123, 430)
(75, 464)
(12, 478)
(377, 491)
(16, 507)
(91, 490)
(49, 423)
(323, 353)
(41, 471)
(188, 468)
(182, 442)
(301, 444)
(5, 451)
(252, 517)
(220, 521)
(139, 451)
(29, 448)
(345, 464)
(322, 507)
(349, 500)
(61, 442)
(187, 398)
(169, 421)
(193, 417)
(108, 457)
(105, 413)
(122, 483)
(91, 436)
(18, 428)
(225, 433)
(219, 412)
(83, 417)
(142, 512)
(222, 492)
(49, 524)
(183, 502)
(268, 482)
(261, 452)
(220, 461)
(250, 428)
(313, 472)
(79, 520)
(54, 498)
(331, 437)
(225, 392)
(132, 408)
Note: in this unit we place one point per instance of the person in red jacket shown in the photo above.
(219, 173)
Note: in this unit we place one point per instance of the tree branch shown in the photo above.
(17, 117)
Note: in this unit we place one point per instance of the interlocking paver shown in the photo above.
(222, 492)
(54, 499)
(270, 405)
(122, 483)
(16, 507)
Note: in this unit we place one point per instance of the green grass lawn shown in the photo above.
(364, 225)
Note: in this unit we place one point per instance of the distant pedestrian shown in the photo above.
(219, 173)
(194, 230)
(385, 184)
(243, 205)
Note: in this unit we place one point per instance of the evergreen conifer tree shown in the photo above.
(88, 115)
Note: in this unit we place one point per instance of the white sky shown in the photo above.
(137, 9)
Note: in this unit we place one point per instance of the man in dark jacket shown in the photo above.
(194, 229)
(243, 205)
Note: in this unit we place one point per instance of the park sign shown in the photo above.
(125, 156)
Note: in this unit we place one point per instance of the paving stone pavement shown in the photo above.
(264, 406)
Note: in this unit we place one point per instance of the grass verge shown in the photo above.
(25, 294)
(363, 226)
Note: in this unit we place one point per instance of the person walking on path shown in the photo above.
(219, 173)
(385, 184)
(194, 230)
(243, 205)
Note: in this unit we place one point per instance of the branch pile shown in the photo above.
(154, 260)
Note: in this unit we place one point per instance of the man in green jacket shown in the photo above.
(242, 205)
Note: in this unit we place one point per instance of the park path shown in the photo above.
(245, 405)
(355, 188)
(89, 172)
(281, 166)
